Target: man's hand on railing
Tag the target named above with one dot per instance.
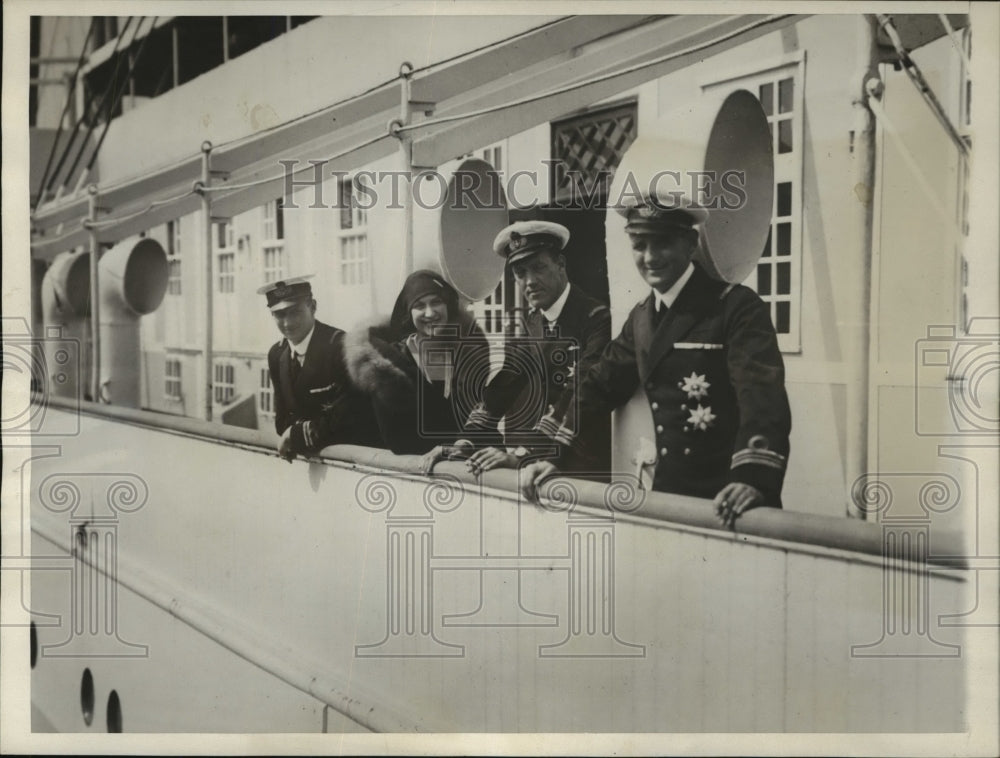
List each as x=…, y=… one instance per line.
x=461, y=449
x=285, y=446
x=531, y=477
x=736, y=498
x=490, y=458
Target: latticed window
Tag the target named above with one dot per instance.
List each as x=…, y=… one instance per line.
x=586, y=150
x=225, y=382
x=174, y=257
x=265, y=395
x=777, y=279
x=172, y=379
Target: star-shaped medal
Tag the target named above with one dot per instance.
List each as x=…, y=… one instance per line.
x=701, y=417
x=695, y=386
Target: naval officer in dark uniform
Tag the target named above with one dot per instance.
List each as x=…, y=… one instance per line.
x=566, y=332
x=315, y=403
x=707, y=355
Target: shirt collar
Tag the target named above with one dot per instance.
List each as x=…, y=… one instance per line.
x=556, y=309
x=303, y=346
x=667, y=298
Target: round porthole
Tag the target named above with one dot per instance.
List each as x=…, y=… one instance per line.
x=114, y=713
x=87, y=697
x=33, y=634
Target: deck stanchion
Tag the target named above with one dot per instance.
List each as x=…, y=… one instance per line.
x=206, y=212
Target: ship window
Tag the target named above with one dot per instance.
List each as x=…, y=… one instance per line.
x=225, y=382
x=274, y=220
x=172, y=379
x=265, y=395
x=353, y=261
x=777, y=275
x=225, y=245
x=174, y=257
x=227, y=272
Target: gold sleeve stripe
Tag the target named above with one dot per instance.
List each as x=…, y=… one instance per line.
x=759, y=457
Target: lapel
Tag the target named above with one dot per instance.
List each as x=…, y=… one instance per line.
x=682, y=316
x=570, y=315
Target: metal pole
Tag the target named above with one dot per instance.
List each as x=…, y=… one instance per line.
x=175, y=54
x=866, y=81
x=95, y=307
x=206, y=212
x=406, y=153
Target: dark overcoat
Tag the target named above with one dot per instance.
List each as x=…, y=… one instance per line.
x=714, y=377
x=414, y=414
x=322, y=393
x=538, y=381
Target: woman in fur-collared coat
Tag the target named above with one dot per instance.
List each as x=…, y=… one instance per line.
x=424, y=370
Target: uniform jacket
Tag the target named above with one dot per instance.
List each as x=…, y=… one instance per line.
x=538, y=381
x=322, y=394
x=714, y=377
x=413, y=414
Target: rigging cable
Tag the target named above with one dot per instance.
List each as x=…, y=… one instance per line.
x=133, y=62
x=70, y=91
x=83, y=117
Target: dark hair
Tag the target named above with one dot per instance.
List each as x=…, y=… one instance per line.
x=417, y=285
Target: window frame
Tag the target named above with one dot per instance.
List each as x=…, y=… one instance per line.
x=174, y=273
x=173, y=380
x=224, y=241
x=224, y=382
x=353, y=255
x=788, y=168
x=272, y=246
x=265, y=392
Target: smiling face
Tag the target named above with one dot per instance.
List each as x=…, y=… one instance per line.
x=542, y=278
x=427, y=312
x=661, y=258
x=295, y=321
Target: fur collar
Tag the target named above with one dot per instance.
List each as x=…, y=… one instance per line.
x=374, y=362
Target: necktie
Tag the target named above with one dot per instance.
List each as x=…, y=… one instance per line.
x=548, y=327
x=659, y=313
x=294, y=366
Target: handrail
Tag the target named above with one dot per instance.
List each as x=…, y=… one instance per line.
x=656, y=509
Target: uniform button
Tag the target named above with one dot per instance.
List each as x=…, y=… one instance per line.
x=684, y=406
x=654, y=406
x=687, y=428
x=687, y=451
x=659, y=428
x=663, y=451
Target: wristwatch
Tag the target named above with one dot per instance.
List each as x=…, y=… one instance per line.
x=520, y=452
